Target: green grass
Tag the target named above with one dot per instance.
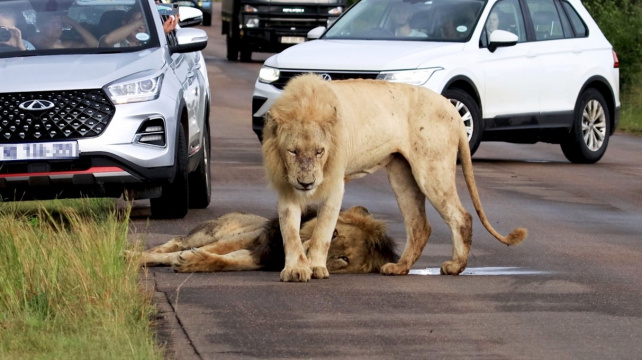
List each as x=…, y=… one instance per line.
x=631, y=112
x=65, y=290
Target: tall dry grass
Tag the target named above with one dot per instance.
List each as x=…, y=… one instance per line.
x=65, y=290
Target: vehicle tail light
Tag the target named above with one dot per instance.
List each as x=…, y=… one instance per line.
x=616, y=61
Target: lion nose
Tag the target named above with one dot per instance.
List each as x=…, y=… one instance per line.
x=305, y=185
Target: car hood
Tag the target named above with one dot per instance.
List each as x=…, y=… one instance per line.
x=363, y=55
x=84, y=71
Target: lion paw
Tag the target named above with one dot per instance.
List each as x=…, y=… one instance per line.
x=320, y=272
x=452, y=268
x=394, y=269
x=187, y=261
x=296, y=274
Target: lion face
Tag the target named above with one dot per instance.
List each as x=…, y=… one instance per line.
x=359, y=243
x=304, y=153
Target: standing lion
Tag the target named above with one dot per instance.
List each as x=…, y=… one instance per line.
x=319, y=134
x=239, y=241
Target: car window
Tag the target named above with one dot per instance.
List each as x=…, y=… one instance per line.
x=579, y=28
x=75, y=26
x=505, y=15
x=436, y=20
x=546, y=19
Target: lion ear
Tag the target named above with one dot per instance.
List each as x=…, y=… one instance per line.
x=361, y=210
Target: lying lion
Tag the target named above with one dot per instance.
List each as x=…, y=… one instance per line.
x=319, y=134
x=239, y=241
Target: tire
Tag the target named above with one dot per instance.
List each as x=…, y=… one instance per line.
x=174, y=200
x=200, y=185
x=246, y=55
x=470, y=115
x=207, y=19
x=232, y=47
x=589, y=136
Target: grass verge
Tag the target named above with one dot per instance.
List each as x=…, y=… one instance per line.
x=631, y=112
x=65, y=290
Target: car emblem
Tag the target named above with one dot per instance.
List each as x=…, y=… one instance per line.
x=326, y=77
x=36, y=105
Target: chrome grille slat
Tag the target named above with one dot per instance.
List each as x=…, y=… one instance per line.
x=75, y=114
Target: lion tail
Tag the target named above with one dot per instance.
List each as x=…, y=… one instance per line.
x=517, y=235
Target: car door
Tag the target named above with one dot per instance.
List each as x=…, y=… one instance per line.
x=511, y=75
x=561, y=58
x=186, y=69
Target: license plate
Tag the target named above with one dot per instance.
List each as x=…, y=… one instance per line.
x=39, y=151
x=292, y=39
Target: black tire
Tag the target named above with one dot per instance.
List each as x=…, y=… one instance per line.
x=470, y=115
x=174, y=200
x=246, y=55
x=591, y=129
x=200, y=184
x=207, y=19
x=232, y=47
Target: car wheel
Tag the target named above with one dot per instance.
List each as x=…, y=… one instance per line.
x=232, y=47
x=470, y=115
x=246, y=55
x=200, y=185
x=589, y=136
x=207, y=19
x=174, y=200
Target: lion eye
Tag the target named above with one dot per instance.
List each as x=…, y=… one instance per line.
x=344, y=258
x=292, y=152
x=320, y=152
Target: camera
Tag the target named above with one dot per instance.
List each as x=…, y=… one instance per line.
x=5, y=34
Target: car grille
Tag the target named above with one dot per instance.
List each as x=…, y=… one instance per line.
x=285, y=76
x=53, y=115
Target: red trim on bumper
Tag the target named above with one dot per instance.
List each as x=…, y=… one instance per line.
x=92, y=170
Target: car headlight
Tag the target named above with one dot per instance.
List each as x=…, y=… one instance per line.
x=135, y=91
x=412, y=77
x=268, y=74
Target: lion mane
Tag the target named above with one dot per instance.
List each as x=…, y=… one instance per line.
x=320, y=134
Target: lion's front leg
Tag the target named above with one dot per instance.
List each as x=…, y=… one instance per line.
x=322, y=235
x=297, y=267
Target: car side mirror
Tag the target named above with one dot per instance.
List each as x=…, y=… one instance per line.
x=189, y=40
x=316, y=33
x=499, y=38
x=189, y=16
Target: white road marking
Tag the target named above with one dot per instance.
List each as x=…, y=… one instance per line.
x=483, y=271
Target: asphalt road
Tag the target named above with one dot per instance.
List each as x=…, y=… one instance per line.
x=571, y=291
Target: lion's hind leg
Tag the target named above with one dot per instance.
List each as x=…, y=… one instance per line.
x=197, y=260
x=442, y=194
x=412, y=203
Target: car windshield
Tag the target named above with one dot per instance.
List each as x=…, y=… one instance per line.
x=46, y=27
x=436, y=20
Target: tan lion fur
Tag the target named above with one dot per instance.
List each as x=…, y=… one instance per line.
x=239, y=241
x=319, y=134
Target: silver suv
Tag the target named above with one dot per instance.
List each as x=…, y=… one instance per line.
x=96, y=100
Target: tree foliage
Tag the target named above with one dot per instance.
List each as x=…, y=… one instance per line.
x=621, y=23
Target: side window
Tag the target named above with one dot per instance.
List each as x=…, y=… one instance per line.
x=546, y=19
x=579, y=28
x=505, y=15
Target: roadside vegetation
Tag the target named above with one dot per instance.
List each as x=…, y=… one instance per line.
x=621, y=21
x=65, y=290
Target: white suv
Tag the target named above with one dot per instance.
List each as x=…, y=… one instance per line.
x=519, y=71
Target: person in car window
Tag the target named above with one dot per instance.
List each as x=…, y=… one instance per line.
x=131, y=33
x=49, y=33
x=492, y=23
x=400, y=20
x=8, y=26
